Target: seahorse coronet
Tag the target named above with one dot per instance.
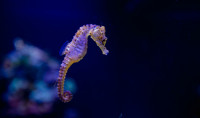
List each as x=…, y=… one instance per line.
x=76, y=50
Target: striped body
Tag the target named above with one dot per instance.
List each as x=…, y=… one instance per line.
x=76, y=50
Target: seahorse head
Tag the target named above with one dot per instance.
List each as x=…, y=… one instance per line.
x=98, y=35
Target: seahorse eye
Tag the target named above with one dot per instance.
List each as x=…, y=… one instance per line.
x=96, y=33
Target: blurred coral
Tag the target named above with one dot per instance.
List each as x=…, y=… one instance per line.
x=30, y=73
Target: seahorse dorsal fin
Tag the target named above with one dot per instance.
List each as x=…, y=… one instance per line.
x=62, y=49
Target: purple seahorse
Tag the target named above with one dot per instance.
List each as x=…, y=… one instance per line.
x=76, y=50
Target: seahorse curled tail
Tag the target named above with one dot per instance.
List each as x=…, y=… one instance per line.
x=65, y=96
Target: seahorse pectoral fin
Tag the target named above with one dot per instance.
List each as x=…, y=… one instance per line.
x=62, y=49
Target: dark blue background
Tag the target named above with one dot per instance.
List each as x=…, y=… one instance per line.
x=152, y=70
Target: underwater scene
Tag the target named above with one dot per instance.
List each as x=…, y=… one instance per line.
x=100, y=59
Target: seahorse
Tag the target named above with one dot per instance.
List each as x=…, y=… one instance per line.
x=76, y=50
